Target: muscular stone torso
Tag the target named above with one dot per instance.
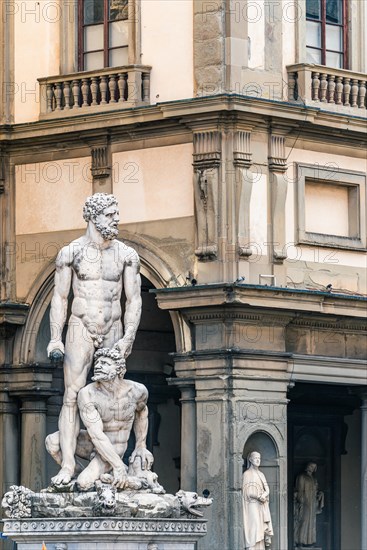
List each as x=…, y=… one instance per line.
x=97, y=286
x=117, y=413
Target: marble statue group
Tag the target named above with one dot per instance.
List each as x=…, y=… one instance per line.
x=97, y=266
x=97, y=419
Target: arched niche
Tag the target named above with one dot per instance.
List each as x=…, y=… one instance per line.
x=264, y=444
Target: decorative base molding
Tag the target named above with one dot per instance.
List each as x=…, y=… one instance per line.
x=114, y=533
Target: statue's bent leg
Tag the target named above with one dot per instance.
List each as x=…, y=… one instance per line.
x=79, y=350
x=84, y=446
x=52, y=443
x=92, y=472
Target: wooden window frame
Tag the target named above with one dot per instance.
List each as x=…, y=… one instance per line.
x=344, y=25
x=106, y=35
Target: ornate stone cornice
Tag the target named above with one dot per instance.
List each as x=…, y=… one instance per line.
x=118, y=528
x=13, y=313
x=340, y=325
x=284, y=301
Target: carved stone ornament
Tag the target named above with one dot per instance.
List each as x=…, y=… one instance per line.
x=17, y=502
x=105, y=500
x=100, y=165
x=242, y=159
x=207, y=157
x=277, y=159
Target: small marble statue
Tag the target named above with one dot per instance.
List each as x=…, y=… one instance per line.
x=110, y=407
x=97, y=266
x=258, y=528
x=309, y=502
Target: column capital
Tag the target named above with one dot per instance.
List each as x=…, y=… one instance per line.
x=7, y=405
x=186, y=387
x=33, y=401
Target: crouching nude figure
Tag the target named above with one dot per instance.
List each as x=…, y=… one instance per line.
x=110, y=407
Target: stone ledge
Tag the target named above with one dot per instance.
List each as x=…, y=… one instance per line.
x=116, y=530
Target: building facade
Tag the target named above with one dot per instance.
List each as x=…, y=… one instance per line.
x=233, y=134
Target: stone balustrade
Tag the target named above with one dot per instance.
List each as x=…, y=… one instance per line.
x=94, y=91
x=337, y=88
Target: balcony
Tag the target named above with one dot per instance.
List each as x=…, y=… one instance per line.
x=335, y=90
x=94, y=91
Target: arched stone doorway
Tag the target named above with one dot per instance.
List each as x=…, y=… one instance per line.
x=151, y=364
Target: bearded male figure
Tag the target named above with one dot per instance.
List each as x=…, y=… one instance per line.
x=98, y=267
x=109, y=407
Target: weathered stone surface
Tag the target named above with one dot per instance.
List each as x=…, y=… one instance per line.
x=207, y=26
x=209, y=80
x=20, y=502
x=209, y=52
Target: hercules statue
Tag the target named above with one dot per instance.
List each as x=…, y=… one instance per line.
x=97, y=267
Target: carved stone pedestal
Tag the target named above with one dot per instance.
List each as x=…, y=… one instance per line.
x=104, y=532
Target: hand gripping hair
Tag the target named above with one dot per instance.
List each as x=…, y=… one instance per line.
x=113, y=354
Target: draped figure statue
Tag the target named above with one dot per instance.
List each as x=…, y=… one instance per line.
x=257, y=524
x=309, y=502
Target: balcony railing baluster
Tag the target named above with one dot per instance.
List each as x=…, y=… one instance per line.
x=95, y=90
x=338, y=88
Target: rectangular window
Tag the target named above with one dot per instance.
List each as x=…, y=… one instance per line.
x=326, y=32
x=331, y=207
x=103, y=34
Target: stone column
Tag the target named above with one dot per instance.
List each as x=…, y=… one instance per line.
x=9, y=443
x=364, y=472
x=188, y=438
x=33, y=434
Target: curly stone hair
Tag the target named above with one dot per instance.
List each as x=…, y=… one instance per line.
x=95, y=204
x=115, y=355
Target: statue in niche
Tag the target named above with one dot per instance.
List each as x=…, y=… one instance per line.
x=258, y=528
x=97, y=266
x=308, y=502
